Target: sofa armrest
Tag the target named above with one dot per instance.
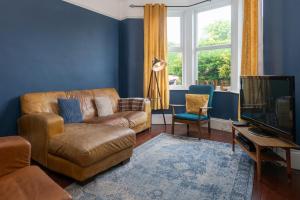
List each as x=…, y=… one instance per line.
x=148, y=110
x=14, y=154
x=37, y=129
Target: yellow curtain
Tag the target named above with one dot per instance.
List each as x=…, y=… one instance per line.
x=250, y=38
x=155, y=46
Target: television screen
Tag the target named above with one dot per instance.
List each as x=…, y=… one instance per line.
x=268, y=101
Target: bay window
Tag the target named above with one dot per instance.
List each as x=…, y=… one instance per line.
x=203, y=45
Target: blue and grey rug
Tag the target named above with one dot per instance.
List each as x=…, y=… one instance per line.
x=175, y=168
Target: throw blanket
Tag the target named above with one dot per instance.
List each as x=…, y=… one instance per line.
x=131, y=104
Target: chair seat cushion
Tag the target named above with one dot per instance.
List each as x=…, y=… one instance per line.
x=86, y=144
x=30, y=183
x=190, y=117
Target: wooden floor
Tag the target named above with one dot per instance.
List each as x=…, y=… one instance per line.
x=273, y=186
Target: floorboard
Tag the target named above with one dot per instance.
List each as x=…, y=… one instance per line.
x=273, y=186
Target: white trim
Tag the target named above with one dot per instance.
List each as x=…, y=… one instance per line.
x=178, y=87
x=218, y=124
x=295, y=157
x=181, y=49
x=101, y=11
x=236, y=35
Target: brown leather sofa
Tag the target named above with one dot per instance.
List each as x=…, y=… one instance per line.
x=19, y=180
x=84, y=149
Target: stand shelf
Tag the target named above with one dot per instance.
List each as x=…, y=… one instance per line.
x=263, y=148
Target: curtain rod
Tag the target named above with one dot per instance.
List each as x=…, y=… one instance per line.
x=138, y=6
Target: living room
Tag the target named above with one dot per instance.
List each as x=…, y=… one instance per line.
x=149, y=99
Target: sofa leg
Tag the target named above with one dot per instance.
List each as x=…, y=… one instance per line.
x=124, y=162
x=87, y=181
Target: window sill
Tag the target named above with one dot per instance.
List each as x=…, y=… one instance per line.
x=178, y=87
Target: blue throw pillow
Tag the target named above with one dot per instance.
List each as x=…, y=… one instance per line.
x=69, y=109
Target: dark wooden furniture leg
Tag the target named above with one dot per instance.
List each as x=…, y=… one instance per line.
x=258, y=162
x=288, y=162
x=233, y=137
x=209, y=129
x=199, y=127
x=188, y=129
x=173, y=123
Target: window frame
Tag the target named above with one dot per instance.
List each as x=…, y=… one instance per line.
x=189, y=41
x=212, y=6
x=180, y=14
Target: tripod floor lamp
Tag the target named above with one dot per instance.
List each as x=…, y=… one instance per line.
x=157, y=66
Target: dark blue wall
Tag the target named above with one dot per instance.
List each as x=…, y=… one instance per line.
x=52, y=45
x=273, y=36
x=282, y=31
x=131, y=57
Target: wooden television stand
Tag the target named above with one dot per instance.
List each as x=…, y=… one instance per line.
x=263, y=146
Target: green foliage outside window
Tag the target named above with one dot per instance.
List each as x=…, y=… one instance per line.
x=175, y=66
x=213, y=65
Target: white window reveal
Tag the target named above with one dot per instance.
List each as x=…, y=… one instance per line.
x=204, y=44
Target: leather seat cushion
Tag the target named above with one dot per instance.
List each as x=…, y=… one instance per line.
x=117, y=119
x=86, y=144
x=136, y=118
x=127, y=119
x=30, y=183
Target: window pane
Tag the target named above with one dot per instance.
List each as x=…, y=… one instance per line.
x=175, y=68
x=174, y=33
x=214, y=67
x=214, y=27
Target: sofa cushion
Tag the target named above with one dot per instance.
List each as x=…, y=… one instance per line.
x=86, y=144
x=136, y=118
x=69, y=109
x=87, y=103
x=116, y=119
x=129, y=119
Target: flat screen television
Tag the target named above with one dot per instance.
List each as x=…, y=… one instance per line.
x=268, y=103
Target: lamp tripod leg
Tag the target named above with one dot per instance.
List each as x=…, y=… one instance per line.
x=161, y=104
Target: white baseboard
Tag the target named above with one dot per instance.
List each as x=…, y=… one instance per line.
x=295, y=157
x=225, y=125
x=218, y=124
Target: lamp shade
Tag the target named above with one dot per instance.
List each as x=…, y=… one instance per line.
x=158, y=65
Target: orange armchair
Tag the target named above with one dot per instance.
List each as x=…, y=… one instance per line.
x=19, y=180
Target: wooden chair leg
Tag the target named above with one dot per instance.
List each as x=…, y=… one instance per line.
x=199, y=127
x=188, y=129
x=173, y=123
x=209, y=128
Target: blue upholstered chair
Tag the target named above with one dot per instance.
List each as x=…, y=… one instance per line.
x=198, y=119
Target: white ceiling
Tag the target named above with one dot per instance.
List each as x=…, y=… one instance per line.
x=119, y=9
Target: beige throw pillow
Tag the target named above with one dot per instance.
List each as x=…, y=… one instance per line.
x=104, y=106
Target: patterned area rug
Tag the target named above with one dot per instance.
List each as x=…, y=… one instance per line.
x=175, y=168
